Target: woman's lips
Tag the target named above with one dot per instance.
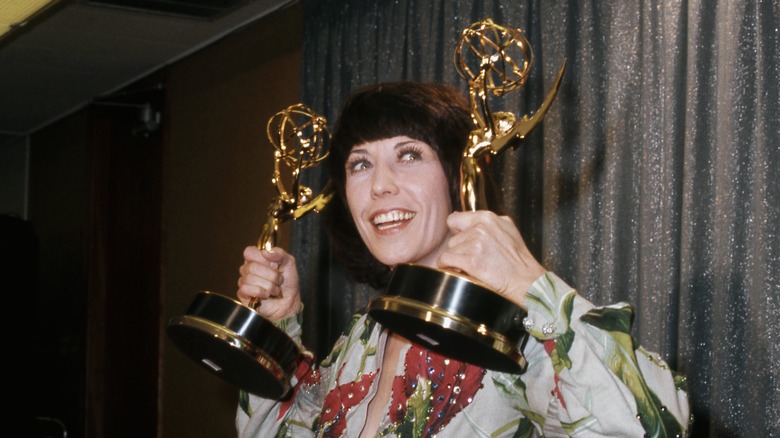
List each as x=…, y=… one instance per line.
x=392, y=219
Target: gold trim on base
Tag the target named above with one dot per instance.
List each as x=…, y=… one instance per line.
x=464, y=326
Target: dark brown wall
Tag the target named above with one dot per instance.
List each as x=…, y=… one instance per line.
x=218, y=185
x=58, y=211
x=129, y=229
x=123, y=257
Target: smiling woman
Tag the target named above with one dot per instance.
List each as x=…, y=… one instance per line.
x=433, y=117
x=394, y=156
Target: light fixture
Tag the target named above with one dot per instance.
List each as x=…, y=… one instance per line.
x=16, y=14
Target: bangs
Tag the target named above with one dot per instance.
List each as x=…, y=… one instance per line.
x=434, y=114
x=384, y=116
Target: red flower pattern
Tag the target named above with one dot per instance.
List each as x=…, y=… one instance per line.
x=549, y=347
x=453, y=386
x=340, y=400
x=305, y=374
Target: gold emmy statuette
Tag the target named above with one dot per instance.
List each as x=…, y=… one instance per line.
x=448, y=312
x=221, y=334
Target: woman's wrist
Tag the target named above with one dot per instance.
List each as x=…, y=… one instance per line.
x=523, y=285
x=549, y=306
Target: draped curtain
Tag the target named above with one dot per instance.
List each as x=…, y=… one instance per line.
x=654, y=179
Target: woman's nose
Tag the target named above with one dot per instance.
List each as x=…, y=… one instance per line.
x=383, y=181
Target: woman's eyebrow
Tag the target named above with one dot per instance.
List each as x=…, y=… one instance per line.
x=401, y=144
x=359, y=151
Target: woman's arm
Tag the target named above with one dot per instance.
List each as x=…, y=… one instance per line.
x=587, y=374
x=272, y=277
x=259, y=417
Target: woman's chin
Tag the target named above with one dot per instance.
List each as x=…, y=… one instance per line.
x=391, y=255
x=409, y=261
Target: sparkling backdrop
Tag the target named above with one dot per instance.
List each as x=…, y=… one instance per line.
x=654, y=178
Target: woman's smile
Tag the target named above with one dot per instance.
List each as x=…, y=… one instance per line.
x=392, y=220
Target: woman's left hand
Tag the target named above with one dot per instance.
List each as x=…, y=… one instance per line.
x=489, y=248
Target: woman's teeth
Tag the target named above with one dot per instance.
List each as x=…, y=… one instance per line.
x=387, y=220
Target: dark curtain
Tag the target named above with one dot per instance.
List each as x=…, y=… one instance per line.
x=654, y=178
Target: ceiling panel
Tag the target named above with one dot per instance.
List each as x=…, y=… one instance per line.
x=82, y=52
x=204, y=9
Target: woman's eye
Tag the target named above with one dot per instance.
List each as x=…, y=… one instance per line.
x=410, y=155
x=357, y=165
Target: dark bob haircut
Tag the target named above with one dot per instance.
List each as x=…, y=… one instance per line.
x=433, y=113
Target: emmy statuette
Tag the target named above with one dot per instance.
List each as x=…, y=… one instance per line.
x=446, y=311
x=221, y=334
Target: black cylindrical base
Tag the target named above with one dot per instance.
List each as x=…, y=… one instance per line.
x=237, y=344
x=454, y=316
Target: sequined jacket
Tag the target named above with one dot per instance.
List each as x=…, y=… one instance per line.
x=585, y=377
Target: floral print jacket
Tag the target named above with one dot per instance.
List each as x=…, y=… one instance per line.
x=585, y=377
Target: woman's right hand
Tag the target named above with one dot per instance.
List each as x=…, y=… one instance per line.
x=489, y=247
x=272, y=277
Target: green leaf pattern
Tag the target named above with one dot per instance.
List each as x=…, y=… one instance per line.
x=513, y=389
x=566, y=329
x=621, y=358
x=419, y=404
x=550, y=306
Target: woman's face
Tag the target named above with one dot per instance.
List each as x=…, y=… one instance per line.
x=399, y=199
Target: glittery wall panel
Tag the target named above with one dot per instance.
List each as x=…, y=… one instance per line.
x=654, y=179
x=730, y=219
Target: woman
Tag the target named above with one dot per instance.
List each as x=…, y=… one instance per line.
x=395, y=156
